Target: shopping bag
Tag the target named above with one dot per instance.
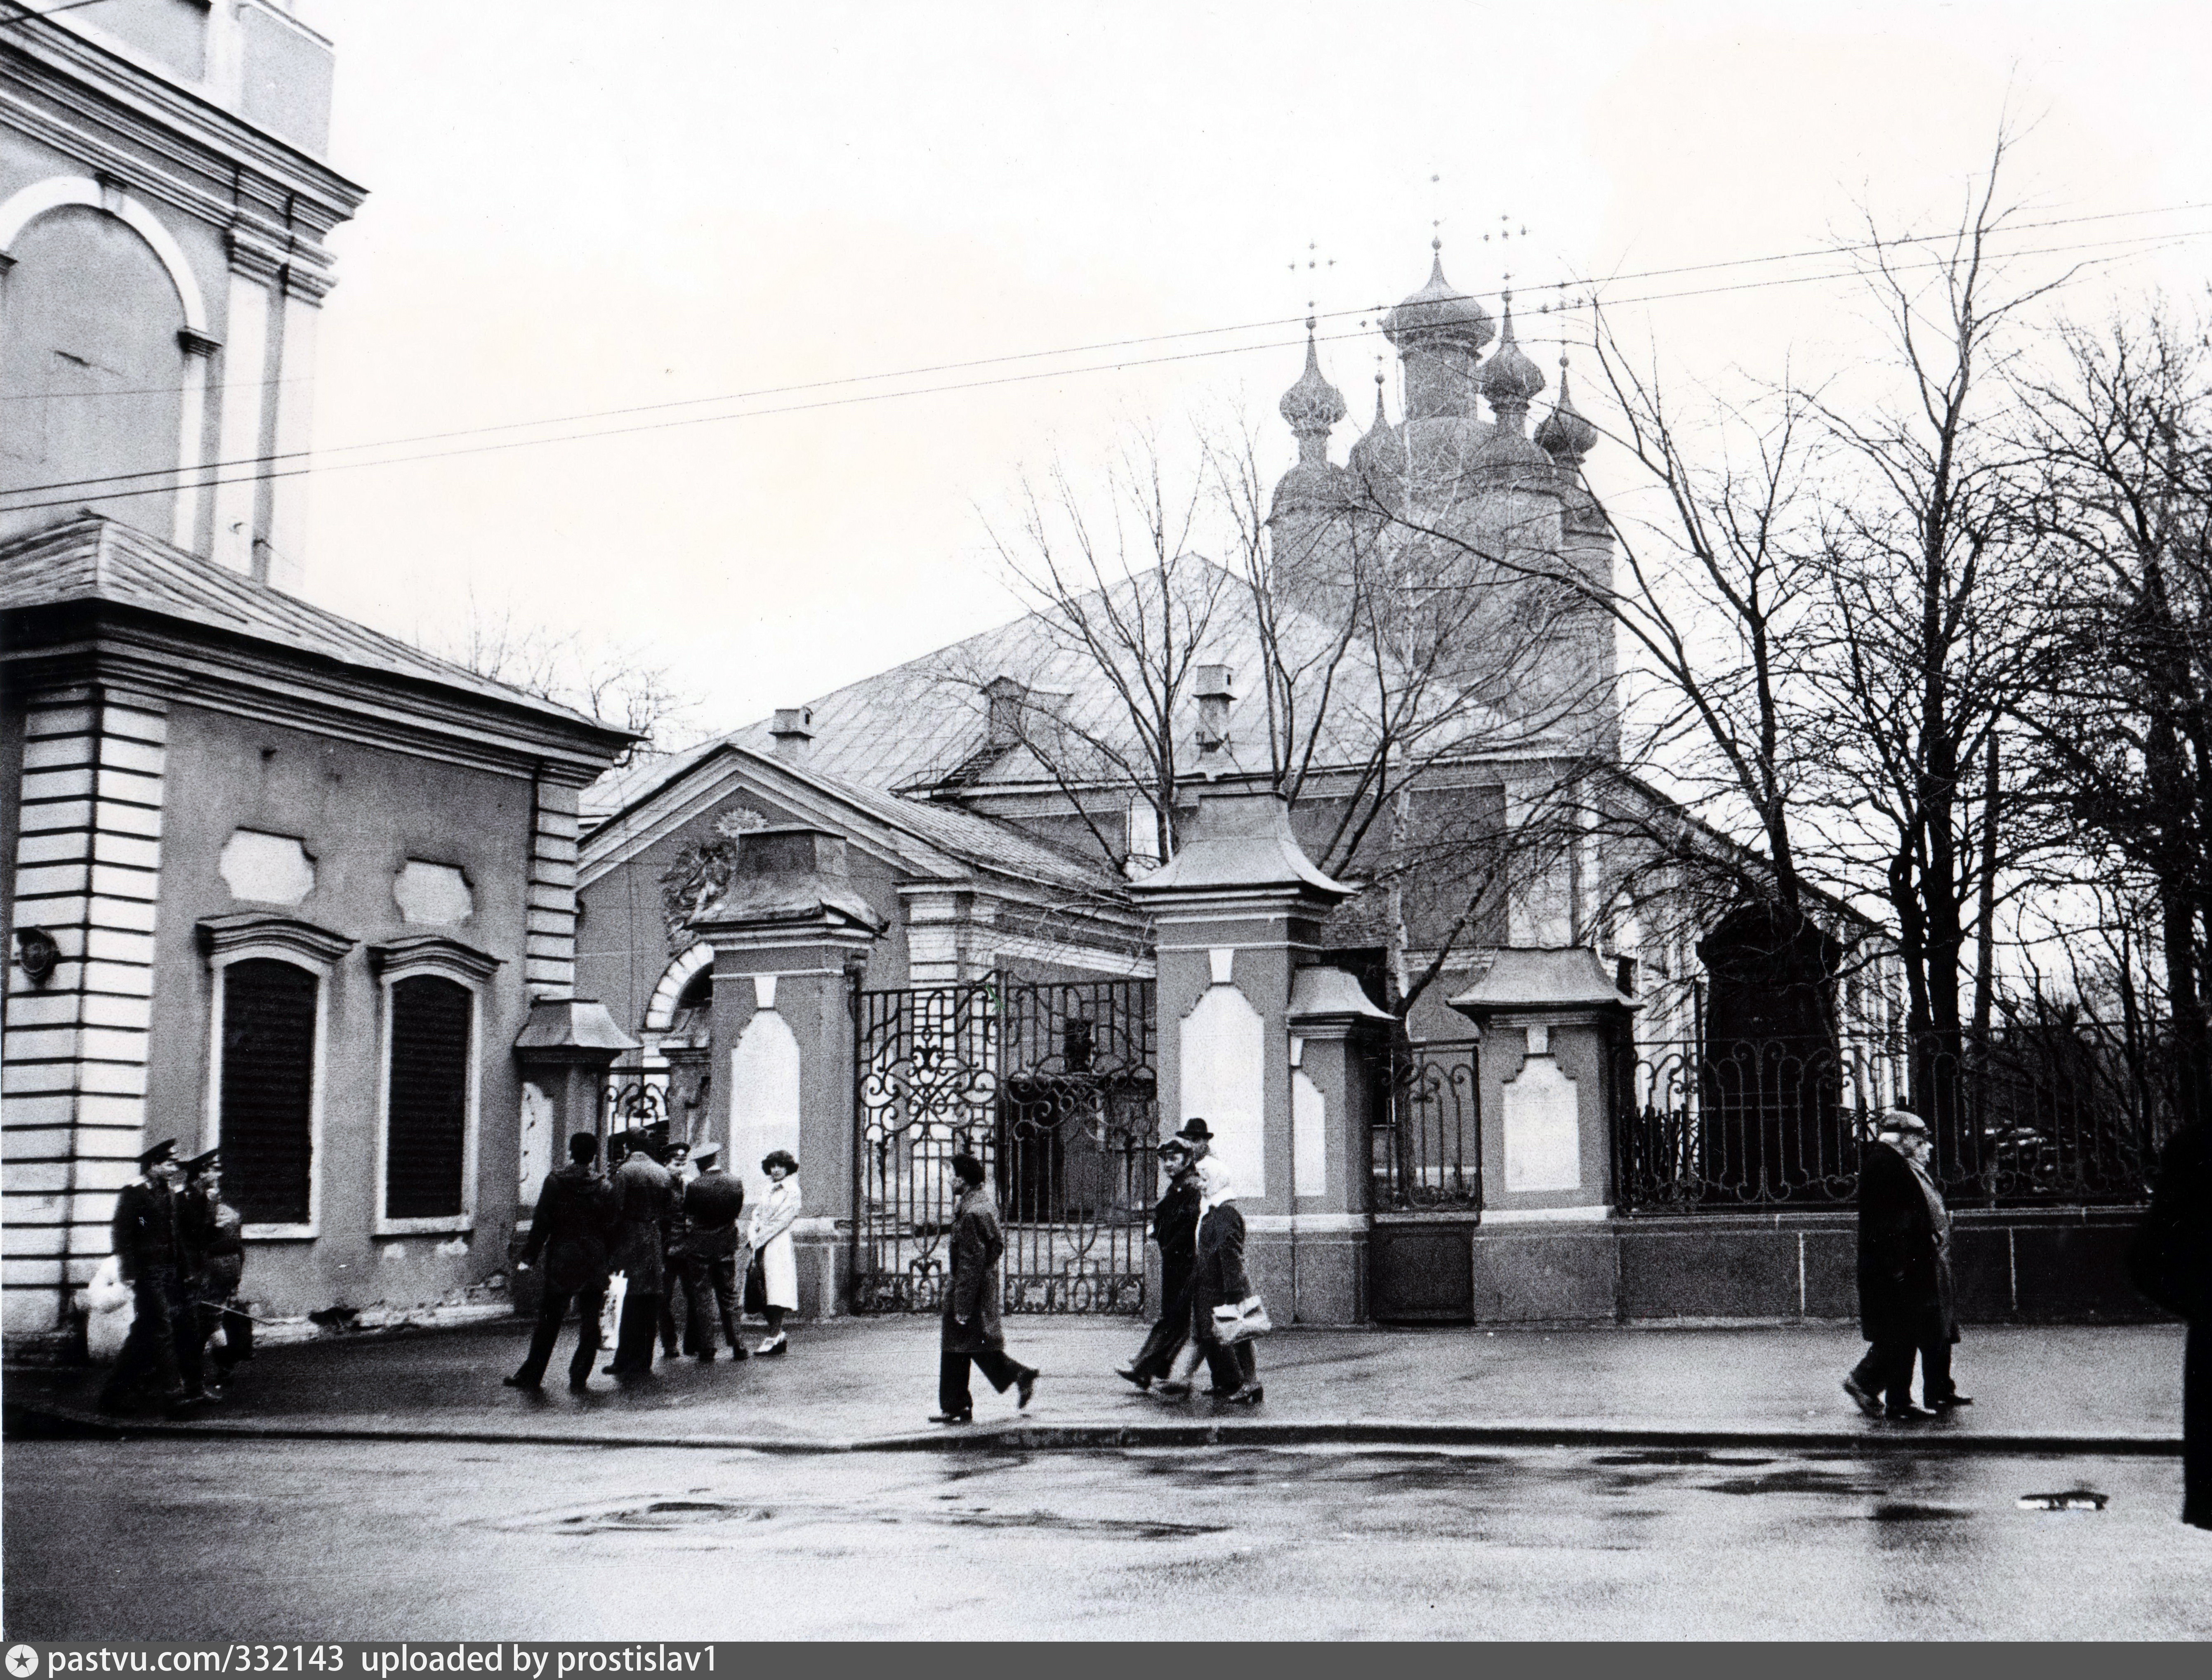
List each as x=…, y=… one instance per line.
x=1241, y=1323
x=610, y=1314
x=110, y=1307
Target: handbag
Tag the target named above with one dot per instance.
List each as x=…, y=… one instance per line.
x=1241, y=1323
x=756, y=1286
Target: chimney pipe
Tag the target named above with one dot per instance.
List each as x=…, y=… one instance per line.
x=1214, y=698
x=794, y=740
x=1009, y=698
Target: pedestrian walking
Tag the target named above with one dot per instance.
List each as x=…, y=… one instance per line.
x=643, y=1191
x=712, y=1203
x=1220, y=1281
x=215, y=1236
x=149, y=1251
x=1175, y=1229
x=972, y=1334
x=768, y=1235
x=2171, y=1263
x=1907, y=1301
x=571, y=1228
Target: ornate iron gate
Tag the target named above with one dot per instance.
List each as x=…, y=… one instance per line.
x=1053, y=1089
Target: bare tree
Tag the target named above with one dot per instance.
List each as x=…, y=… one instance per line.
x=618, y=683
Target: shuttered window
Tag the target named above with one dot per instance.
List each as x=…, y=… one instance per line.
x=268, y=1090
x=426, y=1133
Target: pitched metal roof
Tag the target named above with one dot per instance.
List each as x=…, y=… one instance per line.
x=94, y=558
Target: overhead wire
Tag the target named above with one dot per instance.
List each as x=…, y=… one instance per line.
x=196, y=478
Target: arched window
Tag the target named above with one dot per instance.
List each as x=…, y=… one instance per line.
x=270, y=1012
x=97, y=377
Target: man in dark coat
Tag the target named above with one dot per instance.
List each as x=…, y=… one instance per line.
x=1175, y=1229
x=571, y=1228
x=675, y=1244
x=215, y=1237
x=712, y=1203
x=2171, y=1263
x=645, y=1195
x=151, y=1253
x=1220, y=1281
x=972, y=1332
x=1907, y=1304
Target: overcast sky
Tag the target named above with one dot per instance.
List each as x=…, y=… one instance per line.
x=583, y=208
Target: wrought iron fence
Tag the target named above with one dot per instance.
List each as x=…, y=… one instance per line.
x=1052, y=1088
x=2024, y=1117
x=1427, y=1140
x=628, y=1102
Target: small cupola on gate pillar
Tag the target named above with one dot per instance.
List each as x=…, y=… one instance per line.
x=791, y=937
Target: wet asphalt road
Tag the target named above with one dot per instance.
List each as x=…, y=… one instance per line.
x=226, y=1540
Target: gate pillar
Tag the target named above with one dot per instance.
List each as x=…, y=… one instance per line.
x=790, y=939
x=564, y=1051
x=1237, y=913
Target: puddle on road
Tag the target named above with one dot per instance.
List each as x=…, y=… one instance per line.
x=691, y=1515
x=2076, y=1499
x=1673, y=1455
x=1798, y=1479
x=1916, y=1513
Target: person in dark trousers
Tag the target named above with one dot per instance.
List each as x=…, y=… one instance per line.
x=570, y=1228
x=1907, y=1302
x=972, y=1332
x=214, y=1235
x=712, y=1203
x=1175, y=1229
x=2171, y=1264
x=150, y=1252
x=675, y=1244
x=1220, y=1281
x=644, y=1192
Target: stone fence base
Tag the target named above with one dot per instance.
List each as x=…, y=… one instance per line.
x=2016, y=1266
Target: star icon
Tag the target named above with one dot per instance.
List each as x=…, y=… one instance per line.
x=22, y=1661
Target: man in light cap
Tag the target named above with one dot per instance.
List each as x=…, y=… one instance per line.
x=712, y=1203
x=1907, y=1304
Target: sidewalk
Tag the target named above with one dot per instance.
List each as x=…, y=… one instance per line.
x=869, y=1385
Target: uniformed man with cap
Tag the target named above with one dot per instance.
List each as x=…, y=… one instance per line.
x=150, y=1252
x=214, y=1248
x=712, y=1203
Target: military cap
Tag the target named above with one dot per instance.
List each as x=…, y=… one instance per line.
x=164, y=1150
x=201, y=1162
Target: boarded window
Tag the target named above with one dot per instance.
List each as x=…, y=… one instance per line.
x=268, y=1090
x=426, y=1139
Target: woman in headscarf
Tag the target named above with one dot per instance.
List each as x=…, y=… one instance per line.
x=1220, y=1281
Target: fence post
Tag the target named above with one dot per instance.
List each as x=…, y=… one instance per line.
x=790, y=933
x=1235, y=913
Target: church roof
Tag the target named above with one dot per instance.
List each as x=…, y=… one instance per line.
x=924, y=725
x=93, y=559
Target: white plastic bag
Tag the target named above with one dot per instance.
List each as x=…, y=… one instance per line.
x=611, y=1314
x=110, y=1307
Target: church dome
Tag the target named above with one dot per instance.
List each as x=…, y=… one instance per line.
x=1566, y=435
x=1509, y=378
x=1308, y=488
x=1379, y=458
x=1313, y=404
x=1439, y=313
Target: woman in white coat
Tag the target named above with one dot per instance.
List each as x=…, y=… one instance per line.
x=769, y=1236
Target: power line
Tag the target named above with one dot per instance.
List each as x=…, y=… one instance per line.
x=26, y=15
x=1091, y=348
x=186, y=478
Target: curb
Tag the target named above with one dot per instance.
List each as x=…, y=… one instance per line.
x=32, y=1421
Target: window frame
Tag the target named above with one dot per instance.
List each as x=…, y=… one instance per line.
x=414, y=958
x=299, y=944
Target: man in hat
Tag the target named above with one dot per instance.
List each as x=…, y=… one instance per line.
x=570, y=1228
x=149, y=1253
x=675, y=1244
x=1907, y=1303
x=644, y=1196
x=712, y=1203
x=1175, y=1229
x=215, y=1244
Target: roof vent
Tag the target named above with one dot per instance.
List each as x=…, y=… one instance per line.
x=794, y=739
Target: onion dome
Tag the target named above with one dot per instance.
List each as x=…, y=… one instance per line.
x=1566, y=436
x=1439, y=313
x=1380, y=454
x=1312, y=406
x=1509, y=378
